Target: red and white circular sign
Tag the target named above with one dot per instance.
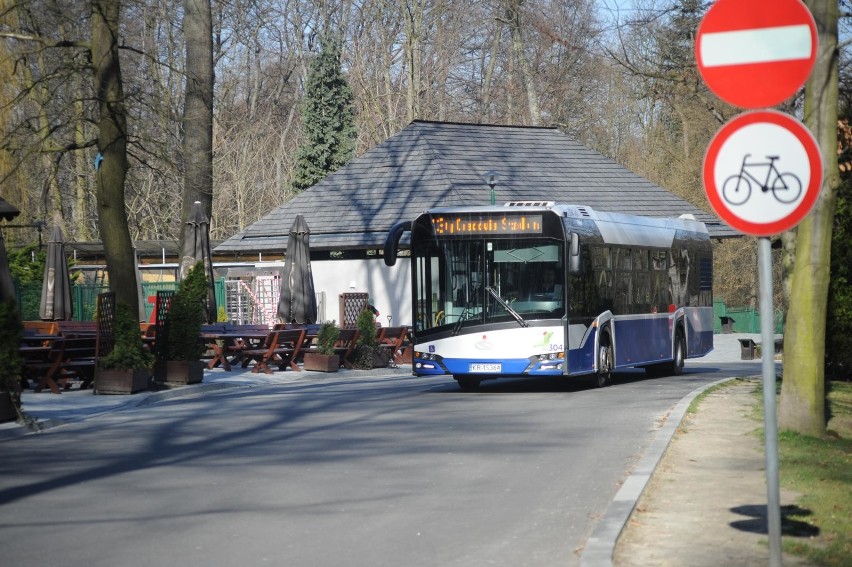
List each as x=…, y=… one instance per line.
x=756, y=53
x=763, y=172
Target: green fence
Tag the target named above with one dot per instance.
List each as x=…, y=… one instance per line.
x=742, y=319
x=85, y=298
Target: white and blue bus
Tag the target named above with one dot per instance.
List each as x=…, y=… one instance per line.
x=627, y=291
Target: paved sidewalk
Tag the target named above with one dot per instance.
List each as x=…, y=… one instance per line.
x=50, y=410
x=705, y=505
x=671, y=513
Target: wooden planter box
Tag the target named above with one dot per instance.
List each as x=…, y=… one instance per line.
x=7, y=410
x=113, y=381
x=321, y=362
x=183, y=372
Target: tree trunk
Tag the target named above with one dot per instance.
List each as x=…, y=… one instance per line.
x=802, y=405
x=485, y=111
x=112, y=154
x=413, y=17
x=198, y=112
x=513, y=17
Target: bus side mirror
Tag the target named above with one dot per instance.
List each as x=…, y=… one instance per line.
x=574, y=265
x=392, y=241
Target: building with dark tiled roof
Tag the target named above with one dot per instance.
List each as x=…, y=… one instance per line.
x=429, y=164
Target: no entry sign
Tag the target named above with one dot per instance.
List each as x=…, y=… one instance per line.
x=763, y=172
x=756, y=53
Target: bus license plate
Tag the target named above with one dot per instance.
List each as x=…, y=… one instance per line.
x=485, y=367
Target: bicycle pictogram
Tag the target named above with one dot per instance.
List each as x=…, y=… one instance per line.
x=785, y=187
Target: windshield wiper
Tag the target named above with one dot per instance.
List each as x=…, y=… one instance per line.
x=458, y=324
x=506, y=306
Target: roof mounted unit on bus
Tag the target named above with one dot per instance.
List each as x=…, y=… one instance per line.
x=529, y=204
x=687, y=216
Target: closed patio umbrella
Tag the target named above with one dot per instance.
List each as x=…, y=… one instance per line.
x=56, y=288
x=196, y=247
x=298, y=302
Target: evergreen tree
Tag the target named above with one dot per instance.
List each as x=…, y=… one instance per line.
x=328, y=118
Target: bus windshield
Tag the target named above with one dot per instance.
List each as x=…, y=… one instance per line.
x=468, y=281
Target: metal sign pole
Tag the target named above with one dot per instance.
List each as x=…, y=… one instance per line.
x=770, y=425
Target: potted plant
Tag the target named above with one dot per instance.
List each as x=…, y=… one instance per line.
x=324, y=359
x=368, y=354
x=183, y=346
x=11, y=363
x=127, y=369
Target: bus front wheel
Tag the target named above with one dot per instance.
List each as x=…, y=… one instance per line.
x=603, y=377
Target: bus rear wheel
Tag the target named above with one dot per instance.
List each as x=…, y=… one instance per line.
x=603, y=377
x=679, y=354
x=468, y=384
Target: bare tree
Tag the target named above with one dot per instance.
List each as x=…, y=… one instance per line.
x=514, y=21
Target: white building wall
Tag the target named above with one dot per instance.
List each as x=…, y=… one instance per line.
x=389, y=286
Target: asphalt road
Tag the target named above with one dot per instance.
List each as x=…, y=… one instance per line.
x=368, y=472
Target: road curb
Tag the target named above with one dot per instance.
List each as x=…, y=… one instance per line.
x=600, y=546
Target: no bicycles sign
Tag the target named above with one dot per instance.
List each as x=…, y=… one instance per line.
x=756, y=53
x=763, y=172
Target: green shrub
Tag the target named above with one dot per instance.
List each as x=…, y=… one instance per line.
x=11, y=363
x=366, y=324
x=128, y=353
x=326, y=337
x=366, y=344
x=186, y=316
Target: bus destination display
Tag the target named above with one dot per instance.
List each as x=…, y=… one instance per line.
x=461, y=224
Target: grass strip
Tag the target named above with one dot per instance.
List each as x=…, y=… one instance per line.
x=819, y=527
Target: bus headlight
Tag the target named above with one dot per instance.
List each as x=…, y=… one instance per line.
x=547, y=361
x=551, y=356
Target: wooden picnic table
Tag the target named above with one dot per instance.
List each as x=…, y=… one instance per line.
x=63, y=359
x=231, y=344
x=281, y=347
x=239, y=344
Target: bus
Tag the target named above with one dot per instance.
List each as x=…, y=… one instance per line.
x=628, y=291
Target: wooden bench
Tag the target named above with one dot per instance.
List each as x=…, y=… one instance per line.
x=226, y=340
x=392, y=339
x=149, y=337
x=345, y=345
x=79, y=356
x=77, y=328
x=66, y=359
x=281, y=348
x=311, y=332
x=40, y=327
x=41, y=363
